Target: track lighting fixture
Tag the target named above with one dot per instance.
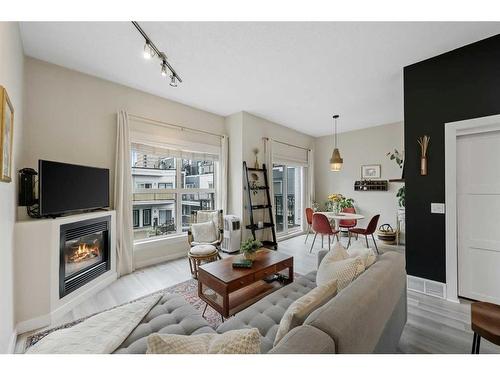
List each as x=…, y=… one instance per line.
x=150, y=51
x=173, y=81
x=164, y=69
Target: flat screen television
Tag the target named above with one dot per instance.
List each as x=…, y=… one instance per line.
x=64, y=188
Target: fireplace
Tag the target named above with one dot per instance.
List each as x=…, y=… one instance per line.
x=84, y=253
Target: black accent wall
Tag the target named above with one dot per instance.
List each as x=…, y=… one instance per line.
x=458, y=85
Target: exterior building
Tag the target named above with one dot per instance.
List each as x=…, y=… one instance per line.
x=157, y=186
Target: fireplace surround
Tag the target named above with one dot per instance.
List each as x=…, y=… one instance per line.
x=84, y=252
x=39, y=301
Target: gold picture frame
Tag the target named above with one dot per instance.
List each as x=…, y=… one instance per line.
x=6, y=135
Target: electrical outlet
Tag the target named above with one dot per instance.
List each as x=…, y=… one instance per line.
x=437, y=208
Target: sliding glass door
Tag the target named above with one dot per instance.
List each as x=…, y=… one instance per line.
x=288, y=189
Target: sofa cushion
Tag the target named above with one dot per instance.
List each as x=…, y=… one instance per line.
x=367, y=254
x=204, y=232
x=299, y=310
x=266, y=314
x=240, y=341
x=171, y=315
x=305, y=339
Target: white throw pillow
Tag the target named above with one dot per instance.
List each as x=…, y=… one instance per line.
x=204, y=232
x=299, y=310
x=345, y=271
x=367, y=255
x=337, y=253
x=240, y=341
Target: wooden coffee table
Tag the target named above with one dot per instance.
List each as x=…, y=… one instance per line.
x=229, y=290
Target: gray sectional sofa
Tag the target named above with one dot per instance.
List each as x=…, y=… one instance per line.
x=368, y=316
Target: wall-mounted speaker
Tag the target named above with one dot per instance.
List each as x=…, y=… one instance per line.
x=27, y=187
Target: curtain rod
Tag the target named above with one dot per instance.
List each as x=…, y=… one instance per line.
x=288, y=144
x=167, y=124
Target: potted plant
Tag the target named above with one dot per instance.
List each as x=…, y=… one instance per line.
x=250, y=247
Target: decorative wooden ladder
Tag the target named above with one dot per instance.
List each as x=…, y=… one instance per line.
x=251, y=207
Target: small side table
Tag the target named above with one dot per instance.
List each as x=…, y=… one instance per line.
x=485, y=322
x=201, y=254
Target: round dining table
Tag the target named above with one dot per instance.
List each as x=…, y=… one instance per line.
x=340, y=216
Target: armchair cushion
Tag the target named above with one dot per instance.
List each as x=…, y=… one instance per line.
x=204, y=232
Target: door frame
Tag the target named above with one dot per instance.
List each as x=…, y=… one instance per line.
x=452, y=130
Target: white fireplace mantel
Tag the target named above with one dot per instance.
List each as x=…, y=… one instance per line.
x=37, y=271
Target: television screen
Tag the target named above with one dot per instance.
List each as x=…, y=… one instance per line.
x=67, y=188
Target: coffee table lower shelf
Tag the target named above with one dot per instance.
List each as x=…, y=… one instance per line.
x=239, y=299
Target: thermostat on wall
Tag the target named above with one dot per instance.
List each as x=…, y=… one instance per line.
x=437, y=208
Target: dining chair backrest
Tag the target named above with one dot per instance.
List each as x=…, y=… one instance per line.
x=321, y=225
x=372, y=225
x=350, y=222
x=309, y=215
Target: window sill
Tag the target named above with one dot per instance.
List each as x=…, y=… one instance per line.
x=157, y=241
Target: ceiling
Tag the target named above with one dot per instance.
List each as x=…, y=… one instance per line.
x=295, y=73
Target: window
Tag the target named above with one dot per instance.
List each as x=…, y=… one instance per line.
x=146, y=217
x=165, y=185
x=135, y=215
x=190, y=183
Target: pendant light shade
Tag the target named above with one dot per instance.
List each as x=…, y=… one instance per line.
x=336, y=161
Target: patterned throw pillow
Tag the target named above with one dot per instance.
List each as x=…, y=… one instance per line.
x=367, y=255
x=299, y=310
x=204, y=232
x=241, y=341
x=345, y=271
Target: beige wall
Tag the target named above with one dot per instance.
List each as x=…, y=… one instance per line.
x=11, y=77
x=366, y=146
x=71, y=117
x=248, y=130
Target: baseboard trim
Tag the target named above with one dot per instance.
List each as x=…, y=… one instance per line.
x=427, y=287
x=161, y=259
x=12, y=342
x=33, y=324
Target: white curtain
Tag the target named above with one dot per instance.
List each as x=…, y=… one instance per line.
x=123, y=197
x=223, y=174
x=310, y=176
x=268, y=160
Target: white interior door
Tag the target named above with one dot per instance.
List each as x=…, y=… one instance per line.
x=478, y=216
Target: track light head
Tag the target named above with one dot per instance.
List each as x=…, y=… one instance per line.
x=173, y=81
x=149, y=52
x=164, y=69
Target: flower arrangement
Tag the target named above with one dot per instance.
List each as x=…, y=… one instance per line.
x=337, y=202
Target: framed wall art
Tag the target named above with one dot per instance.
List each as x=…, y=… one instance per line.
x=6, y=135
x=370, y=172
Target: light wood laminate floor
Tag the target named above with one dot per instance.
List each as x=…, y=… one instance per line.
x=434, y=325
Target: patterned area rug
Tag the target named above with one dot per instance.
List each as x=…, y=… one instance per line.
x=187, y=289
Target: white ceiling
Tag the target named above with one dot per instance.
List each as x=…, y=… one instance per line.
x=295, y=74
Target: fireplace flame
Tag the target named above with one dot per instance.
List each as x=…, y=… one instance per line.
x=83, y=252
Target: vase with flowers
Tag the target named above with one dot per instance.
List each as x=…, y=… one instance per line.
x=337, y=202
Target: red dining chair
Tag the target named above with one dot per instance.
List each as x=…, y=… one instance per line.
x=348, y=223
x=368, y=231
x=321, y=225
x=309, y=218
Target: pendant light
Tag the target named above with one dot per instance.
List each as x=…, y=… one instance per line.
x=336, y=161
